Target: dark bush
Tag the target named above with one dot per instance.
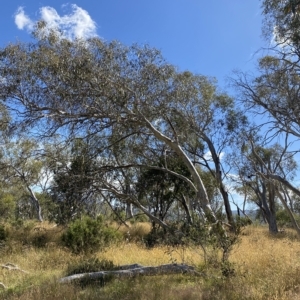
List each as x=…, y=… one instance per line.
x=3, y=233
x=178, y=235
x=40, y=240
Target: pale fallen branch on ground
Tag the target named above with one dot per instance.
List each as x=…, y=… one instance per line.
x=12, y=267
x=131, y=271
x=2, y=285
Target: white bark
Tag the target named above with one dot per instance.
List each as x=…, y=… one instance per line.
x=202, y=196
x=133, y=270
x=293, y=220
x=12, y=267
x=3, y=286
x=36, y=204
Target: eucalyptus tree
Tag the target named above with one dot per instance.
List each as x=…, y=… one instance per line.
x=254, y=163
x=272, y=93
x=163, y=192
x=274, y=90
x=117, y=94
x=20, y=166
x=71, y=186
x=212, y=140
x=281, y=24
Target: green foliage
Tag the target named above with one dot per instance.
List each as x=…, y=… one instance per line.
x=283, y=219
x=48, y=206
x=87, y=235
x=7, y=206
x=70, y=193
x=243, y=221
x=211, y=239
x=184, y=234
x=160, y=190
x=160, y=236
x=118, y=216
x=139, y=218
x=284, y=16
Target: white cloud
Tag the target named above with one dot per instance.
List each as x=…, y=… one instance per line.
x=22, y=20
x=76, y=24
x=208, y=157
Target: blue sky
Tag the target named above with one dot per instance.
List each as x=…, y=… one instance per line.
x=206, y=37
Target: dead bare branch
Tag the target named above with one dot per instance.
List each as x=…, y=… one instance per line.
x=12, y=267
x=133, y=270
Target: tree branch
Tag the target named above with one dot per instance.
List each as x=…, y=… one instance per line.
x=132, y=271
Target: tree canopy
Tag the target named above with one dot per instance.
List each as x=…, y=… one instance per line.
x=135, y=105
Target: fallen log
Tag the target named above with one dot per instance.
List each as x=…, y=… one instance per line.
x=3, y=286
x=12, y=267
x=131, y=271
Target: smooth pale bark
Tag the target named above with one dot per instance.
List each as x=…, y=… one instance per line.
x=293, y=220
x=2, y=285
x=129, y=213
x=34, y=199
x=12, y=267
x=201, y=193
x=36, y=204
x=131, y=271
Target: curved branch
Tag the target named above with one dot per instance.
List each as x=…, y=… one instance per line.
x=281, y=180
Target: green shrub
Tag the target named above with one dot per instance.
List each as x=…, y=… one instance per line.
x=180, y=234
x=242, y=221
x=7, y=206
x=87, y=235
x=284, y=220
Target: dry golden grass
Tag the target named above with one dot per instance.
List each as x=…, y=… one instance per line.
x=269, y=264
x=129, y=253
x=266, y=267
x=134, y=232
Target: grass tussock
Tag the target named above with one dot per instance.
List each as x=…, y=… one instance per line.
x=134, y=232
x=265, y=267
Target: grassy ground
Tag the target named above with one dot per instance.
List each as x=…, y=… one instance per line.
x=266, y=267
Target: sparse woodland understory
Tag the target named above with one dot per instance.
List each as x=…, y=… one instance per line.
x=265, y=267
